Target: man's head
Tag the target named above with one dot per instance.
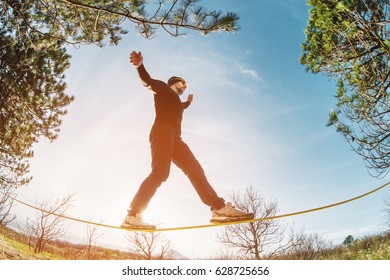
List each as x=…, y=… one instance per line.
x=178, y=84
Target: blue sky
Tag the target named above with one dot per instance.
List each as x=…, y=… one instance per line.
x=258, y=119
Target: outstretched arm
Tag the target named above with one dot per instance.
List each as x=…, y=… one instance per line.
x=137, y=60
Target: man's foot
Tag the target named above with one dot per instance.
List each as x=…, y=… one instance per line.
x=136, y=222
x=229, y=213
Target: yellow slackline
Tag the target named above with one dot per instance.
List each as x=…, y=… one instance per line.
x=207, y=225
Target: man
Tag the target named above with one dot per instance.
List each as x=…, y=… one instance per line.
x=167, y=146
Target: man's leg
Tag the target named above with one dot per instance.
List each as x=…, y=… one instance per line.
x=221, y=212
x=186, y=161
x=161, y=144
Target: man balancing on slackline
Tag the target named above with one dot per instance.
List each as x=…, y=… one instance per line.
x=167, y=146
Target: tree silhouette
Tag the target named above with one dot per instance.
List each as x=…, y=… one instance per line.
x=149, y=245
x=256, y=240
x=46, y=226
x=386, y=211
x=92, y=234
x=6, y=204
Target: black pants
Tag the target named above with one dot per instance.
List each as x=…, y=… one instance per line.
x=166, y=147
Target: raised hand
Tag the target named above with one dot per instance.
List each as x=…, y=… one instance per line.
x=136, y=58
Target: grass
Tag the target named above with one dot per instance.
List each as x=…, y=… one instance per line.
x=376, y=247
x=14, y=245
x=18, y=248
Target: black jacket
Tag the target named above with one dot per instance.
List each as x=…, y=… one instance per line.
x=167, y=103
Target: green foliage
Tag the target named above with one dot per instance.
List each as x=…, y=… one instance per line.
x=349, y=40
x=376, y=247
x=32, y=97
x=101, y=21
x=349, y=240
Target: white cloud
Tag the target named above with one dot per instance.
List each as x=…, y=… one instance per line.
x=248, y=72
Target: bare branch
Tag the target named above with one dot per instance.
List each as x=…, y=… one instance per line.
x=46, y=226
x=149, y=245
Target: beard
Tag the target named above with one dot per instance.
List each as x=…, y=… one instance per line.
x=180, y=90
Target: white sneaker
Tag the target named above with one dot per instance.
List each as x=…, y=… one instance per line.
x=229, y=213
x=136, y=222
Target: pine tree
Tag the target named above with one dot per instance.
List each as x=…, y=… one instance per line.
x=32, y=98
x=349, y=40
